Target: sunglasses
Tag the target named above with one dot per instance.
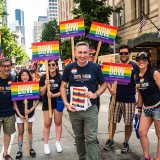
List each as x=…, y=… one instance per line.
x=92, y=54
x=123, y=53
x=52, y=64
x=6, y=66
x=138, y=59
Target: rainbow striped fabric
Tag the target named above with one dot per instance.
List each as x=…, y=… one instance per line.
x=24, y=90
x=102, y=32
x=71, y=28
x=78, y=97
x=67, y=61
x=45, y=50
x=117, y=72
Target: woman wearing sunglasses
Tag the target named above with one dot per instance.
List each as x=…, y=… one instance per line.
x=148, y=85
x=54, y=81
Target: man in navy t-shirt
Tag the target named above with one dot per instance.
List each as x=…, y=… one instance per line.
x=84, y=123
x=7, y=113
x=125, y=102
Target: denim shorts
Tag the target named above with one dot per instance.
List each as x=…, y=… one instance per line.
x=156, y=115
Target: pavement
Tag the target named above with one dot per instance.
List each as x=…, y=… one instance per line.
x=67, y=140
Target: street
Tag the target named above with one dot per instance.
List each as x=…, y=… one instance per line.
x=67, y=140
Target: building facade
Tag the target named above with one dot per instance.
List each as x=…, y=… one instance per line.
x=128, y=22
x=65, y=9
x=53, y=10
x=38, y=28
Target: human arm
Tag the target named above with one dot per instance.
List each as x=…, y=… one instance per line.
x=43, y=86
x=64, y=97
x=112, y=92
x=35, y=104
x=156, y=76
x=17, y=111
x=139, y=104
x=96, y=94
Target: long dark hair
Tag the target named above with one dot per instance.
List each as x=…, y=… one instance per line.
x=20, y=74
x=56, y=62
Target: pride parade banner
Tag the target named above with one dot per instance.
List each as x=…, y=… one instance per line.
x=117, y=72
x=72, y=28
x=45, y=50
x=103, y=32
x=24, y=90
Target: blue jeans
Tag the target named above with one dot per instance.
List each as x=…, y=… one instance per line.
x=85, y=126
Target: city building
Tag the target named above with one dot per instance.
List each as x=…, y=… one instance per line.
x=52, y=12
x=65, y=9
x=19, y=28
x=38, y=28
x=129, y=31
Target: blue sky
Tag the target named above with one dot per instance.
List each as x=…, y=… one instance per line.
x=32, y=9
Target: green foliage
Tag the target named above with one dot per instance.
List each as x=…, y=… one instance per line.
x=50, y=31
x=9, y=47
x=94, y=10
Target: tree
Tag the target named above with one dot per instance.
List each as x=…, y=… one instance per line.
x=9, y=47
x=50, y=31
x=94, y=10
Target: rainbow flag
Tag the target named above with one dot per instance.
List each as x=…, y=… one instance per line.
x=24, y=90
x=71, y=28
x=103, y=32
x=45, y=50
x=41, y=62
x=67, y=61
x=78, y=98
x=117, y=72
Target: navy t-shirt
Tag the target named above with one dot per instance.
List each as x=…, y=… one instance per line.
x=6, y=105
x=126, y=93
x=21, y=107
x=89, y=76
x=148, y=88
x=55, y=87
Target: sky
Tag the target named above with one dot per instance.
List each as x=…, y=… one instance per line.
x=32, y=9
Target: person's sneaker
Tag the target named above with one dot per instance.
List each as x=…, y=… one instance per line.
x=32, y=153
x=7, y=157
x=109, y=144
x=19, y=155
x=97, y=141
x=46, y=149
x=125, y=148
x=58, y=147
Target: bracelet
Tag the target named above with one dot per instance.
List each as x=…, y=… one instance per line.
x=97, y=94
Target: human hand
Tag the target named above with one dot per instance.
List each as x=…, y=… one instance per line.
x=91, y=95
x=22, y=117
x=112, y=92
x=47, y=82
x=71, y=108
x=50, y=94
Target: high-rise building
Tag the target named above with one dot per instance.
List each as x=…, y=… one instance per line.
x=19, y=15
x=38, y=28
x=20, y=28
x=65, y=9
x=52, y=12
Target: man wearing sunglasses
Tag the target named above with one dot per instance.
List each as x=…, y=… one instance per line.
x=7, y=113
x=125, y=102
x=92, y=53
x=84, y=123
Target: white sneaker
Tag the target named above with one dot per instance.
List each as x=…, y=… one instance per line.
x=58, y=147
x=46, y=149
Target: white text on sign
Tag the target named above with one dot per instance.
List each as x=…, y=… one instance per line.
x=24, y=89
x=44, y=49
x=117, y=71
x=103, y=31
x=71, y=27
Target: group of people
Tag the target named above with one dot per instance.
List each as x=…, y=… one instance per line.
x=82, y=73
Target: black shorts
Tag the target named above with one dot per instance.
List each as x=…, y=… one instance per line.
x=45, y=107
